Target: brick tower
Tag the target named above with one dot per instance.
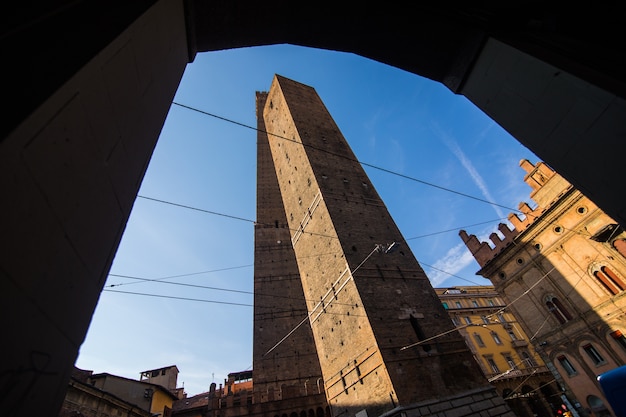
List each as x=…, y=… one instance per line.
x=293, y=369
x=337, y=293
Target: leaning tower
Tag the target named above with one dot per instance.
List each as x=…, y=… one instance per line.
x=341, y=304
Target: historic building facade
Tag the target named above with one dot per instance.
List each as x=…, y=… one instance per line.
x=107, y=395
x=501, y=348
x=562, y=271
x=82, y=399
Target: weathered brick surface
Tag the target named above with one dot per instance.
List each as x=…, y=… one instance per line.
x=366, y=306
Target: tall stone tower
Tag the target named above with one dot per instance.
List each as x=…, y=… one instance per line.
x=337, y=293
x=293, y=369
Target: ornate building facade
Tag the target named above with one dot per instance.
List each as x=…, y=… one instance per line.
x=562, y=271
x=501, y=348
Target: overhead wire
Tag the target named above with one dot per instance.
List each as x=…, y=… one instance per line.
x=222, y=214
x=182, y=284
x=488, y=316
x=139, y=280
x=388, y=171
x=323, y=298
x=373, y=167
x=179, y=298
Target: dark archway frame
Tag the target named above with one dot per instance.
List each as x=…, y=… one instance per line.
x=50, y=282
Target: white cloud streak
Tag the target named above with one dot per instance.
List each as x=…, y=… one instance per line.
x=453, y=146
x=455, y=260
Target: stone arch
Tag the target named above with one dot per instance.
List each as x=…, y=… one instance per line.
x=551, y=395
x=615, y=336
x=534, y=401
x=597, y=406
x=557, y=308
x=455, y=54
x=514, y=402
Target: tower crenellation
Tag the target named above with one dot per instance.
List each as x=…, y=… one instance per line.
x=546, y=186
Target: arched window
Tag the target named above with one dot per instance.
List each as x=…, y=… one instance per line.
x=619, y=337
x=609, y=280
x=597, y=406
x=593, y=354
x=611, y=277
x=620, y=246
x=557, y=309
x=567, y=365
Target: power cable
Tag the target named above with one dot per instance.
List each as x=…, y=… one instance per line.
x=170, y=276
x=222, y=214
x=377, y=248
x=455, y=229
x=182, y=284
x=388, y=171
x=317, y=234
x=447, y=273
x=179, y=298
x=473, y=324
x=349, y=159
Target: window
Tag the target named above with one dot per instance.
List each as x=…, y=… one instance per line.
x=467, y=319
x=456, y=321
x=510, y=361
x=557, y=309
x=619, y=338
x=567, y=365
x=419, y=332
x=490, y=303
x=474, y=303
x=458, y=304
x=493, y=365
x=496, y=338
x=445, y=305
x=501, y=318
x=528, y=360
x=479, y=340
x=512, y=335
x=593, y=354
x=620, y=246
x=609, y=280
x=485, y=319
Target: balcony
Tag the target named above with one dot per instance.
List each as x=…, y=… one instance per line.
x=517, y=373
x=519, y=343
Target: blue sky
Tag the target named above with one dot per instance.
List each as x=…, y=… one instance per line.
x=180, y=289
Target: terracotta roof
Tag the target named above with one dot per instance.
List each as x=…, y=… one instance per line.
x=199, y=400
